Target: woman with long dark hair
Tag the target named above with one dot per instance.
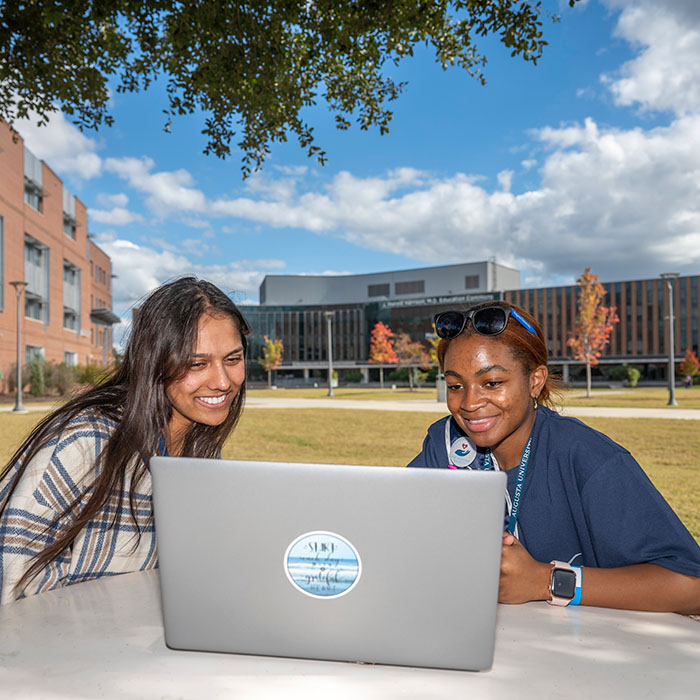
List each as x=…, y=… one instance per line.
x=583, y=523
x=75, y=499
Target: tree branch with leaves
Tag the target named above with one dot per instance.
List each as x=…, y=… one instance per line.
x=250, y=68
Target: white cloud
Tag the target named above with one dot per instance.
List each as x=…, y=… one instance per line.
x=168, y=192
x=624, y=198
x=505, y=179
x=118, y=216
x=62, y=145
x=666, y=73
x=296, y=170
x=112, y=200
x=140, y=269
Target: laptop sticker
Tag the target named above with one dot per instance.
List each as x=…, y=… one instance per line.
x=322, y=564
x=462, y=452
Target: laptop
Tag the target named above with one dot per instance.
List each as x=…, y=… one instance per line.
x=338, y=562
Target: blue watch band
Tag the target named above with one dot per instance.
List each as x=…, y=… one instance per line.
x=579, y=581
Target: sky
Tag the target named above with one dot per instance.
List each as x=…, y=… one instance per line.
x=589, y=159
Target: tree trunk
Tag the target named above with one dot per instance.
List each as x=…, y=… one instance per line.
x=381, y=377
x=588, y=380
x=410, y=378
x=269, y=379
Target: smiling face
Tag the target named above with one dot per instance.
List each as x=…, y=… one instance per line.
x=490, y=394
x=214, y=377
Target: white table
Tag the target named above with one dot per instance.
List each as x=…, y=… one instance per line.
x=104, y=639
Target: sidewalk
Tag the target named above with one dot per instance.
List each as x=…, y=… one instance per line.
x=435, y=407
x=29, y=407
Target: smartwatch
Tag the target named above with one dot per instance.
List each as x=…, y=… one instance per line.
x=565, y=584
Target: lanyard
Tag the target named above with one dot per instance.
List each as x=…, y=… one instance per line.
x=162, y=447
x=520, y=480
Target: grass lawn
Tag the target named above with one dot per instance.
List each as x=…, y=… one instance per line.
x=639, y=397
x=668, y=450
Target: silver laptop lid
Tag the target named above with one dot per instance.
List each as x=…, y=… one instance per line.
x=353, y=563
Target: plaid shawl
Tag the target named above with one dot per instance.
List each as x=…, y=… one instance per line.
x=60, y=472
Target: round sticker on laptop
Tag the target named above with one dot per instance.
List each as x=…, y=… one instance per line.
x=322, y=564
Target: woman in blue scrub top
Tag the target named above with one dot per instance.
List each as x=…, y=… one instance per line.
x=583, y=523
x=75, y=499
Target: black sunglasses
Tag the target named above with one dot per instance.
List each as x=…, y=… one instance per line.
x=485, y=320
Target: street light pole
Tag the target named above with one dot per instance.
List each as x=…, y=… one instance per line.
x=670, y=277
x=19, y=286
x=329, y=319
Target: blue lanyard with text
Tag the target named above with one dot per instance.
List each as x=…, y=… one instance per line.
x=520, y=480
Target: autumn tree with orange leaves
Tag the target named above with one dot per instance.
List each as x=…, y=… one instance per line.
x=594, y=323
x=411, y=354
x=690, y=367
x=381, y=348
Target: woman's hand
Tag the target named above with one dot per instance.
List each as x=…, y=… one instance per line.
x=637, y=587
x=522, y=578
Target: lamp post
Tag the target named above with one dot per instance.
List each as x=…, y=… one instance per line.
x=670, y=277
x=329, y=320
x=19, y=287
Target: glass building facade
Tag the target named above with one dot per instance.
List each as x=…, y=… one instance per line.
x=640, y=337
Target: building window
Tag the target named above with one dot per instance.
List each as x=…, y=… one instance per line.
x=32, y=308
x=69, y=227
x=378, y=290
x=417, y=287
x=33, y=189
x=33, y=352
x=33, y=197
x=68, y=214
x=36, y=274
x=32, y=255
x=70, y=358
x=71, y=296
x=471, y=282
x=70, y=321
x=70, y=273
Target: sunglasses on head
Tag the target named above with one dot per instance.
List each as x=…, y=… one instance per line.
x=485, y=320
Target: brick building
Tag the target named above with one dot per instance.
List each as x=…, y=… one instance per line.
x=44, y=241
x=641, y=338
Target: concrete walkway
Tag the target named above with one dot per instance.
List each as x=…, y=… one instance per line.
x=435, y=407
x=425, y=406
x=29, y=407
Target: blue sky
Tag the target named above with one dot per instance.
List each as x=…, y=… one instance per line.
x=591, y=158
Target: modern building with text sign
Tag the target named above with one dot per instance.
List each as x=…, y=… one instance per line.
x=66, y=305
x=294, y=308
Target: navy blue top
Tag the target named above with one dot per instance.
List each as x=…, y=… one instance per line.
x=584, y=494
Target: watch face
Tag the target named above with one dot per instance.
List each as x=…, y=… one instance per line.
x=563, y=583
